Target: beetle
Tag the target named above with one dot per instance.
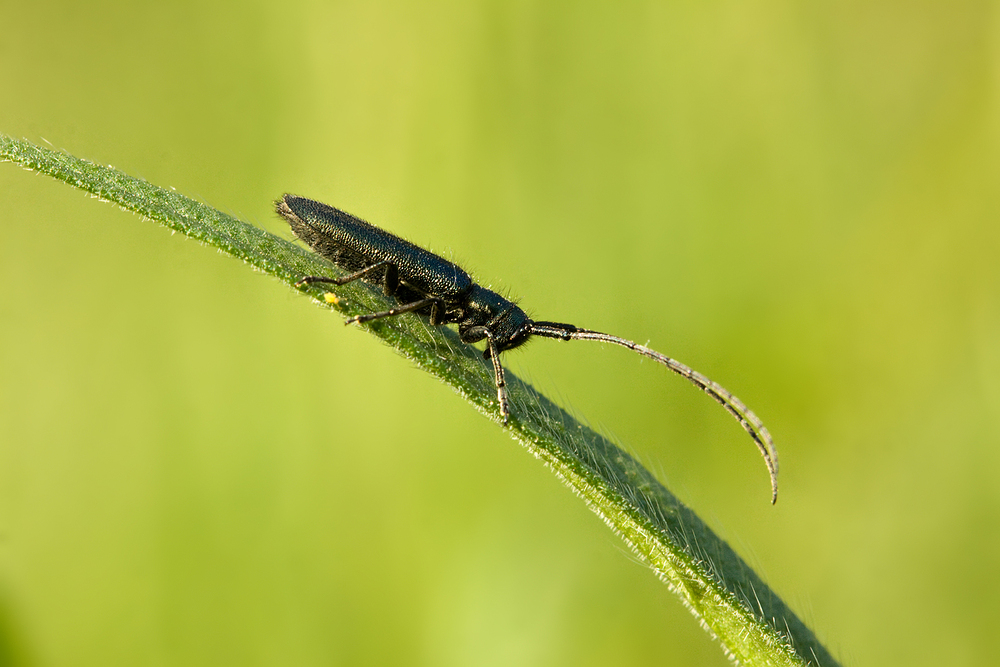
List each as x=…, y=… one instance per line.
x=429, y=285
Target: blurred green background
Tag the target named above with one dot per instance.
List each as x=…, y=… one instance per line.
x=198, y=467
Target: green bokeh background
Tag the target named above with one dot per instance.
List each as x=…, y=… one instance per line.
x=198, y=467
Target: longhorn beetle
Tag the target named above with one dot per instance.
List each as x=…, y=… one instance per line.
x=429, y=285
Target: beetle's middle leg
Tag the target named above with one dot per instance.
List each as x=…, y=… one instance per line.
x=437, y=308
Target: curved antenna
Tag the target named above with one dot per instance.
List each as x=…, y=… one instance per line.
x=750, y=422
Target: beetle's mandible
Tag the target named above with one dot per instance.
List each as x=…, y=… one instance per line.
x=429, y=285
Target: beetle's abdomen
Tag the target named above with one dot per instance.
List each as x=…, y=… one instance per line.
x=353, y=244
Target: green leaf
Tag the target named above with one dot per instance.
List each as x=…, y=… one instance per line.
x=729, y=600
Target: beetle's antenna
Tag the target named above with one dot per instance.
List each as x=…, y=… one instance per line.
x=751, y=422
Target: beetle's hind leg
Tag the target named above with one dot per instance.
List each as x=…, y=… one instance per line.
x=390, y=285
x=390, y=281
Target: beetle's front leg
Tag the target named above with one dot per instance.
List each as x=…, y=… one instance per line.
x=498, y=376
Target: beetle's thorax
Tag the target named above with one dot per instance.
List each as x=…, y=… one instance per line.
x=485, y=310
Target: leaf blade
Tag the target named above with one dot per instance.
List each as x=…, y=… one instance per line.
x=730, y=601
